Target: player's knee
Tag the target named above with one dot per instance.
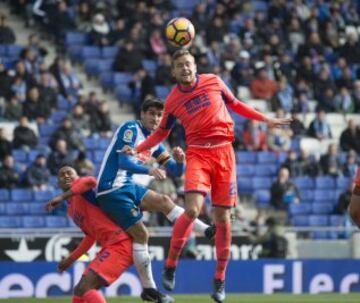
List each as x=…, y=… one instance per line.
x=80, y=289
x=141, y=236
x=166, y=203
x=192, y=212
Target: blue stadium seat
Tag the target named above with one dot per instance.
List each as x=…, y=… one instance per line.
x=124, y=94
x=260, y=5
x=265, y=170
x=2, y=209
x=324, y=195
x=98, y=156
x=88, y=52
x=62, y=103
x=4, y=195
x=300, y=221
x=109, y=52
x=36, y=209
x=336, y=220
x=76, y=38
x=299, y=209
x=20, y=155
x=107, y=80
x=55, y=221
x=21, y=195
x=343, y=182
x=245, y=170
x=318, y=220
x=122, y=78
x=325, y=182
x=58, y=116
x=94, y=67
x=10, y=222
x=262, y=197
x=91, y=143
x=261, y=182
x=53, y=181
x=46, y=130
x=304, y=182
x=33, y=221
x=103, y=143
x=3, y=50
x=320, y=235
x=42, y=196
x=74, y=52
x=266, y=157
x=13, y=50
x=150, y=66
x=17, y=208
x=246, y=157
x=322, y=208
x=162, y=91
x=245, y=185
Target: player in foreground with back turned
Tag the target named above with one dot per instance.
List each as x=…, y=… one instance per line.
x=199, y=103
x=116, y=245
x=354, y=207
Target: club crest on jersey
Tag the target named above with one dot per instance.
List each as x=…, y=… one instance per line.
x=128, y=135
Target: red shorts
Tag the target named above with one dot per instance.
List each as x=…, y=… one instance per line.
x=212, y=169
x=112, y=261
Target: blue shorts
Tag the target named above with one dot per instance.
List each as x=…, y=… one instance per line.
x=123, y=205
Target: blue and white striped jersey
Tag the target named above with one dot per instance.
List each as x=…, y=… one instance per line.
x=111, y=176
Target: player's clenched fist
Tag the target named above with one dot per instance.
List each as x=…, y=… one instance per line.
x=178, y=154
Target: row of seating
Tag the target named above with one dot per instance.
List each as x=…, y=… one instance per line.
x=27, y=195
x=35, y=222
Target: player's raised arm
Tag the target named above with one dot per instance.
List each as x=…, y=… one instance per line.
x=247, y=111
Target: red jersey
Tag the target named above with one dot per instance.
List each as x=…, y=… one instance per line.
x=92, y=221
x=202, y=111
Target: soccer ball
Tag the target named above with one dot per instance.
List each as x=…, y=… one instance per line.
x=180, y=32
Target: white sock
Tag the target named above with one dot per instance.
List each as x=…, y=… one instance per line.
x=142, y=263
x=177, y=211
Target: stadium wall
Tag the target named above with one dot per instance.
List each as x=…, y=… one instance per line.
x=40, y=279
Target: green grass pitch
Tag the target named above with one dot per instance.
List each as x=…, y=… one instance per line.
x=281, y=298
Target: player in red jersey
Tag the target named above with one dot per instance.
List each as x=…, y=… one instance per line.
x=199, y=103
x=115, y=255
x=354, y=207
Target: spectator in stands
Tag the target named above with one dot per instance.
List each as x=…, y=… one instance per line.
x=47, y=90
x=129, y=59
x=37, y=174
x=19, y=88
x=5, y=145
x=283, y=191
x=83, y=165
x=118, y=34
x=13, y=109
x=346, y=79
x=351, y=49
x=327, y=100
x=296, y=125
x=356, y=95
x=323, y=82
x=319, y=128
x=242, y=72
x=67, y=133
x=351, y=165
x=35, y=46
x=59, y=157
x=278, y=139
x=284, y=98
x=343, y=101
x=100, y=30
x=157, y=44
x=36, y=108
x=102, y=124
x=305, y=71
x=30, y=61
x=307, y=164
x=262, y=87
x=344, y=200
x=163, y=71
x=84, y=12
x=9, y=177
x=61, y=20
x=330, y=163
x=69, y=82
x=5, y=82
x=24, y=136
x=143, y=83
x=254, y=138
x=80, y=121
x=350, y=137
x=292, y=164
x=7, y=35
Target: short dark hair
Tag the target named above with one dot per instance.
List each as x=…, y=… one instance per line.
x=152, y=102
x=179, y=53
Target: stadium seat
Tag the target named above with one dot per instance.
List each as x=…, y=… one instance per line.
x=36, y=209
x=58, y=116
x=261, y=182
x=20, y=155
x=245, y=185
x=318, y=220
x=162, y=91
x=246, y=157
x=262, y=197
x=46, y=130
x=10, y=222
x=62, y=103
x=343, y=183
x=299, y=209
x=265, y=170
x=16, y=209
x=324, y=195
x=88, y=52
x=322, y=208
x=266, y=157
x=300, y=221
x=42, y=196
x=3, y=50
x=33, y=221
x=13, y=50
x=76, y=38
x=107, y=80
x=98, y=156
x=122, y=78
x=325, y=182
x=336, y=220
x=21, y=195
x=91, y=143
x=94, y=67
x=150, y=66
x=304, y=182
x=124, y=94
x=109, y=52
x=4, y=195
x=243, y=170
x=55, y=221
x=2, y=209
x=103, y=143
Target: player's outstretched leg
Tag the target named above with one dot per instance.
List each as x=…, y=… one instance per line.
x=86, y=290
x=153, y=295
